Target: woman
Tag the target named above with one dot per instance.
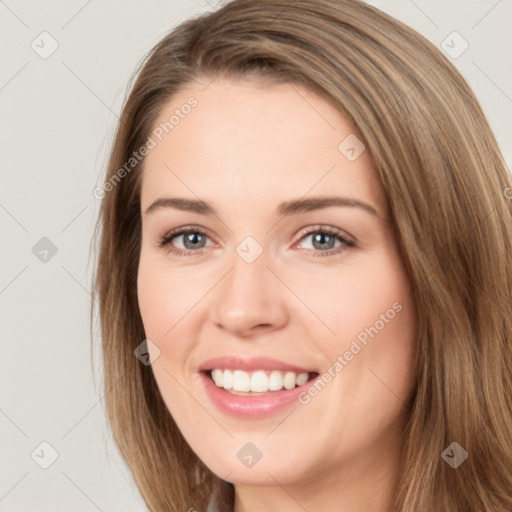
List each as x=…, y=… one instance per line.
x=303, y=277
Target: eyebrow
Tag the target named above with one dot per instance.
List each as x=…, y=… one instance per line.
x=286, y=208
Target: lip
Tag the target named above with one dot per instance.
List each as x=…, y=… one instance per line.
x=259, y=406
x=256, y=406
x=251, y=364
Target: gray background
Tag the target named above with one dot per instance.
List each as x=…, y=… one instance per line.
x=58, y=116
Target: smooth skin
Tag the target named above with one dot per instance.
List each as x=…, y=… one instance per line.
x=246, y=147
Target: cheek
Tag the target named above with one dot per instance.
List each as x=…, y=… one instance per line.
x=376, y=337
x=164, y=296
x=372, y=313
x=150, y=295
x=369, y=295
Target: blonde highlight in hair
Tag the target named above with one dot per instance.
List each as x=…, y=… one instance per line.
x=445, y=179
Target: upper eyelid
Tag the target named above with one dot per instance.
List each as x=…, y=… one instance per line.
x=321, y=227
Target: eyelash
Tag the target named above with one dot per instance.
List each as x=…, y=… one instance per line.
x=167, y=238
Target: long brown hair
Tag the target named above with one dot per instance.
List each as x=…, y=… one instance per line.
x=449, y=193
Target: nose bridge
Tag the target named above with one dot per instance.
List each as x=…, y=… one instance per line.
x=249, y=295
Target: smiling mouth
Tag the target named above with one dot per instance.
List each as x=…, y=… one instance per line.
x=259, y=382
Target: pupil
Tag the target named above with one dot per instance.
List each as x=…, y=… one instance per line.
x=320, y=237
x=193, y=238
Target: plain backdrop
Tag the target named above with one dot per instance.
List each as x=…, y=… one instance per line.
x=58, y=114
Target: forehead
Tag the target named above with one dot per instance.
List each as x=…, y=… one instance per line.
x=253, y=141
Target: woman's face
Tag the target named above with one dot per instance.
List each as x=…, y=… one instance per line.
x=268, y=276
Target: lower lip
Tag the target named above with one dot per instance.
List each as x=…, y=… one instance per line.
x=252, y=406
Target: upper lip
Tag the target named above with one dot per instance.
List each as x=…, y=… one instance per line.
x=250, y=364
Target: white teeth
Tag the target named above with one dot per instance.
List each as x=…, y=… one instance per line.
x=302, y=378
x=275, y=382
x=218, y=377
x=241, y=381
x=289, y=380
x=227, y=380
x=260, y=381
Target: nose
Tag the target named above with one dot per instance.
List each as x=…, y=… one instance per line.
x=250, y=299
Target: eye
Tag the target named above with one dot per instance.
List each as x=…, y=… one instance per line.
x=193, y=239
x=324, y=240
